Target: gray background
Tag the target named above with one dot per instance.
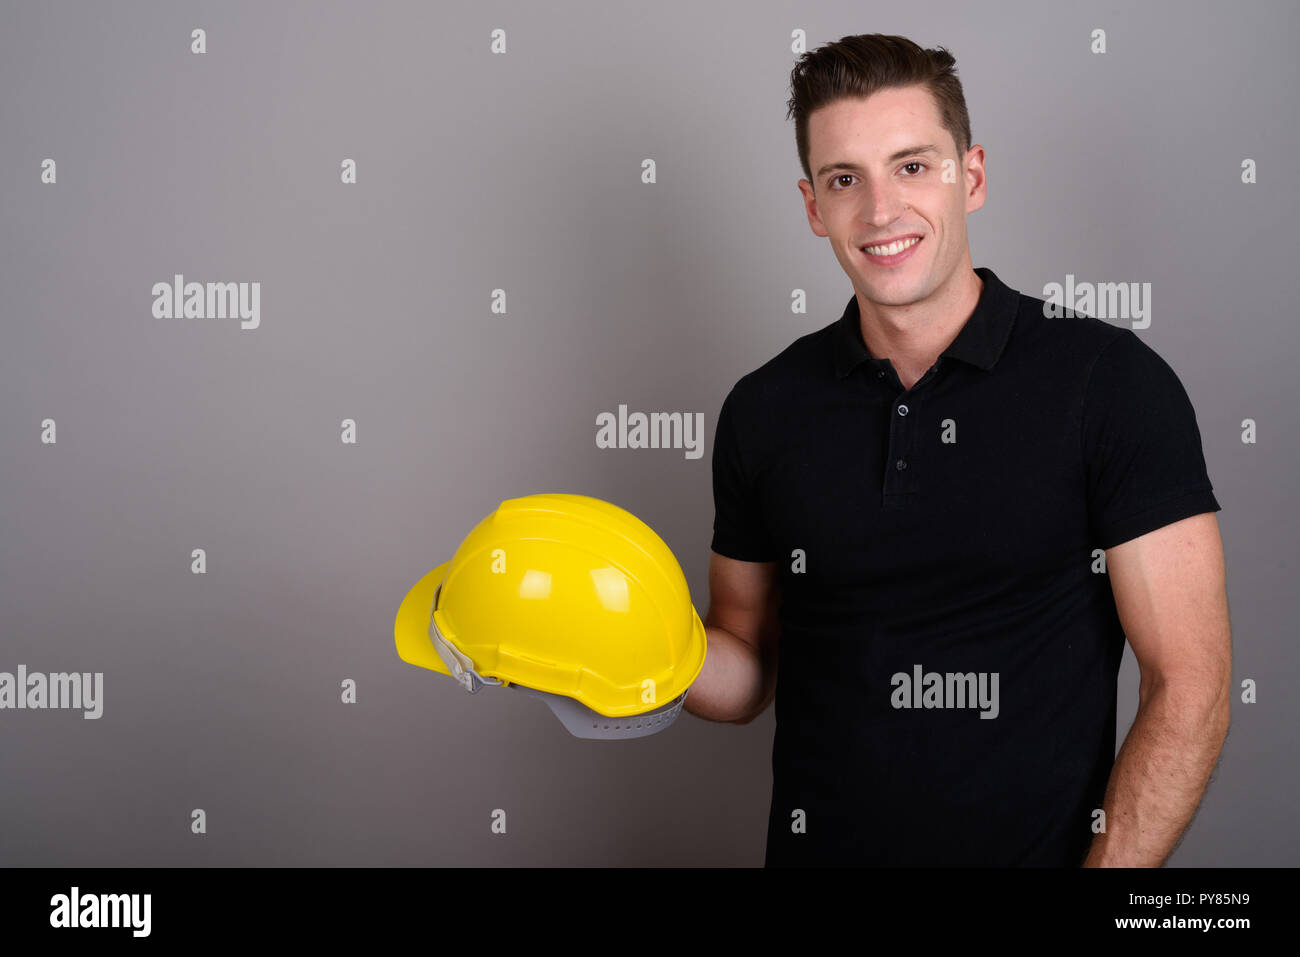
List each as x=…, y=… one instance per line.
x=522, y=171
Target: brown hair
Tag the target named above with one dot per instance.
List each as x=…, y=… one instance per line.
x=858, y=66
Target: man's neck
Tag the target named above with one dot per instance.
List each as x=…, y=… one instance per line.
x=912, y=337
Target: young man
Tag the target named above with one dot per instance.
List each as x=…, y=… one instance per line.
x=912, y=505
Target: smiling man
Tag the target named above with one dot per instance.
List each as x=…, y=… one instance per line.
x=943, y=497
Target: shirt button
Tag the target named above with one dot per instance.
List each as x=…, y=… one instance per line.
x=902, y=410
x=880, y=373
x=900, y=465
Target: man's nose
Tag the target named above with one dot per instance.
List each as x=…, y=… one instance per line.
x=883, y=206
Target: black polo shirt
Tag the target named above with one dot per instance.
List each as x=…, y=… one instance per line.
x=950, y=644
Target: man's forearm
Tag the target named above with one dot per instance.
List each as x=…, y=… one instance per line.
x=732, y=686
x=1159, y=777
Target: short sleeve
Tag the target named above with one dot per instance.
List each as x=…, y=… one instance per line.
x=1142, y=448
x=738, y=528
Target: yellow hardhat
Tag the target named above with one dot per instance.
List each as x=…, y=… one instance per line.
x=569, y=598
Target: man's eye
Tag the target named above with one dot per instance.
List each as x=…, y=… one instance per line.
x=844, y=176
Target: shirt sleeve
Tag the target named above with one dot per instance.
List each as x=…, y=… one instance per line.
x=1142, y=448
x=738, y=528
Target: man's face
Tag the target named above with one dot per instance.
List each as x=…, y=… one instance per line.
x=865, y=193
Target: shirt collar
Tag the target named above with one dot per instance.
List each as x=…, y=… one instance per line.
x=979, y=342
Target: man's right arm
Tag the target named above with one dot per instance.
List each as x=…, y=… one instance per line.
x=738, y=680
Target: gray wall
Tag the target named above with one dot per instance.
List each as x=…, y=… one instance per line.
x=522, y=172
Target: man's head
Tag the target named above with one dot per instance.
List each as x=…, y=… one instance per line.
x=861, y=107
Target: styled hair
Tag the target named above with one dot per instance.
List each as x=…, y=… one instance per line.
x=858, y=66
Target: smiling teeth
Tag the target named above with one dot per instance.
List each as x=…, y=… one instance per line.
x=893, y=249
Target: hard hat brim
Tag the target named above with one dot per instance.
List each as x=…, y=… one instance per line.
x=411, y=630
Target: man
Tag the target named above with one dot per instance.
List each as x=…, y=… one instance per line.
x=912, y=508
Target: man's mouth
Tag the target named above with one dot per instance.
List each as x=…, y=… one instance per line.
x=893, y=252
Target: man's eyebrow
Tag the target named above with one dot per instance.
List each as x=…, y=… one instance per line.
x=894, y=158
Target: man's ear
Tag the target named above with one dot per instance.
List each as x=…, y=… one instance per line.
x=810, y=208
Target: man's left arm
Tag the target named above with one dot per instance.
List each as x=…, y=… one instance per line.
x=1170, y=592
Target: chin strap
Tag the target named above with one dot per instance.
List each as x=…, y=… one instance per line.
x=460, y=666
